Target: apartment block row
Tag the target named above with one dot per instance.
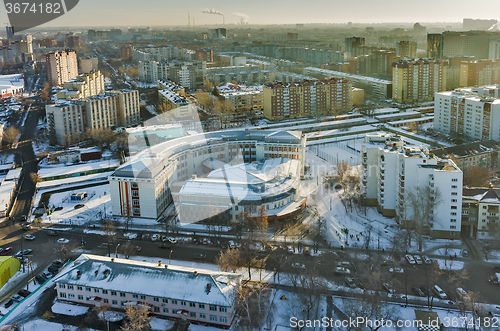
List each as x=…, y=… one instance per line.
x=83, y=86
x=307, y=98
x=471, y=112
x=480, y=44
x=189, y=74
x=243, y=97
x=68, y=121
x=165, y=53
x=391, y=172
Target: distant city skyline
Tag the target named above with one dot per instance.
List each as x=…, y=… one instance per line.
x=160, y=12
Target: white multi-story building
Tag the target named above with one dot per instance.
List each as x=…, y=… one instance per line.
x=473, y=112
x=197, y=295
x=151, y=180
x=243, y=97
x=83, y=86
x=68, y=121
x=390, y=170
x=189, y=74
x=61, y=66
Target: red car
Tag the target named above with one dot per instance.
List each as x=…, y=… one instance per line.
x=6, y=251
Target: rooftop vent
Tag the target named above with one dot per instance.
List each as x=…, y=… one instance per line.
x=196, y=273
x=159, y=263
x=78, y=274
x=96, y=272
x=112, y=259
x=105, y=273
x=208, y=288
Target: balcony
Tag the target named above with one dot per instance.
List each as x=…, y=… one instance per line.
x=492, y=218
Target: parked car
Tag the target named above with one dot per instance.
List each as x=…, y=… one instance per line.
x=164, y=238
x=58, y=208
x=439, y=292
x=8, y=304
x=342, y=271
x=426, y=259
x=27, y=227
x=231, y=244
x=53, y=270
x=289, y=250
x=427, y=291
x=80, y=205
x=205, y=241
x=307, y=251
x=410, y=259
x=418, y=260
x=40, y=279
x=465, y=253
x=418, y=291
x=388, y=287
x=24, y=293
x=155, y=237
x=24, y=252
x=199, y=256
x=53, y=233
x=396, y=270
x=29, y=237
x=57, y=264
x=172, y=240
x=47, y=275
x=344, y=264
x=297, y=265
x=63, y=240
x=17, y=297
x=462, y=295
x=350, y=282
x=6, y=250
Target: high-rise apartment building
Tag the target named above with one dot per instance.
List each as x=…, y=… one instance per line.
x=189, y=74
x=477, y=24
x=89, y=64
x=126, y=52
x=307, y=98
x=418, y=80
x=472, y=112
x=68, y=121
x=206, y=55
x=406, y=48
x=478, y=73
x=480, y=212
x=83, y=86
x=470, y=43
x=61, y=66
x=351, y=43
x=394, y=176
x=72, y=41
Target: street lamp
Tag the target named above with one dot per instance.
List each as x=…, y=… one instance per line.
x=116, y=250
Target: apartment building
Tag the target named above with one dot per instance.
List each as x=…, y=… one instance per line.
x=126, y=52
x=391, y=170
x=484, y=153
x=243, y=97
x=251, y=77
x=471, y=112
x=164, y=53
x=455, y=43
x=378, y=62
x=351, y=43
x=378, y=87
x=206, y=55
x=89, y=64
x=82, y=86
x=417, y=80
x=68, y=121
x=189, y=74
x=307, y=98
x=406, y=48
x=197, y=295
x=479, y=73
x=61, y=66
x=480, y=212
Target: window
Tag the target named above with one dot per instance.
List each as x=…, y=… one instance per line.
x=156, y=309
x=202, y=316
x=183, y=303
x=114, y=302
x=123, y=294
x=192, y=314
x=70, y=287
x=453, y=200
x=96, y=290
x=62, y=295
x=71, y=296
x=484, y=207
x=165, y=310
x=89, y=289
x=453, y=226
x=453, y=193
x=62, y=286
x=174, y=302
x=164, y=300
x=213, y=318
x=454, y=180
x=105, y=300
x=113, y=292
x=223, y=309
x=453, y=207
x=201, y=305
x=223, y=319
x=213, y=308
x=156, y=299
x=453, y=186
x=80, y=297
x=453, y=213
x=143, y=297
x=79, y=288
x=135, y=296
x=453, y=220
x=104, y=291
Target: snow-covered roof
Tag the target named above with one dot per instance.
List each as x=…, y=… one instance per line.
x=77, y=169
x=152, y=279
x=485, y=195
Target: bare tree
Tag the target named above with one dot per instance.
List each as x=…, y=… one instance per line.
x=476, y=176
x=371, y=307
x=10, y=135
x=137, y=318
x=109, y=229
x=254, y=304
x=35, y=178
x=229, y=260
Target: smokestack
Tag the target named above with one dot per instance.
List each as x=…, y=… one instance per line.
x=189, y=21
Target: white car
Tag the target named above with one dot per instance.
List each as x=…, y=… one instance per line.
x=298, y=266
x=29, y=237
x=426, y=259
x=155, y=237
x=410, y=259
x=63, y=240
x=418, y=260
x=397, y=270
x=342, y=271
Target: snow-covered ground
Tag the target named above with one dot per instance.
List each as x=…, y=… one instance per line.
x=160, y=324
x=64, y=308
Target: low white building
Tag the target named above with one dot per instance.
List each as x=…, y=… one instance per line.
x=390, y=170
x=169, y=291
x=11, y=85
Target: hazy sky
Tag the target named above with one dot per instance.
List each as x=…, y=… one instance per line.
x=169, y=12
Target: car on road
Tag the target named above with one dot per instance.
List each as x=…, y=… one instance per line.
x=350, y=282
x=80, y=205
x=29, y=237
x=439, y=292
x=24, y=252
x=342, y=271
x=58, y=208
x=24, y=293
x=199, y=256
x=297, y=265
x=26, y=227
x=17, y=297
x=8, y=304
x=155, y=237
x=418, y=291
x=418, y=260
x=388, y=287
x=6, y=251
x=396, y=270
x=53, y=233
x=465, y=253
x=410, y=259
x=63, y=240
x=426, y=259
